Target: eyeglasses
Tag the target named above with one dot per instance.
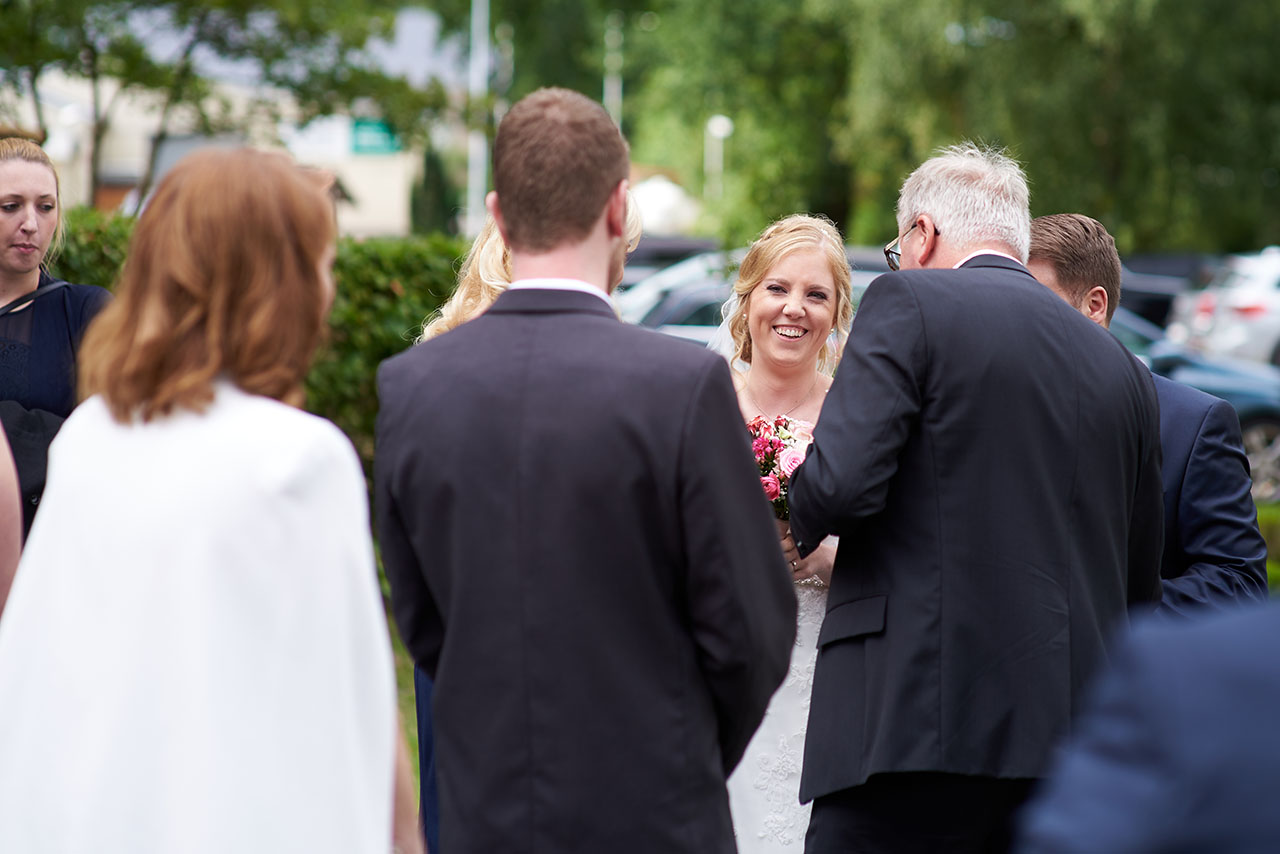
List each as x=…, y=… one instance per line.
x=893, y=251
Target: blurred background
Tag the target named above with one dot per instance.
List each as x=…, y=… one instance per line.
x=1159, y=117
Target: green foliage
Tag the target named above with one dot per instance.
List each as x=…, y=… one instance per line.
x=1269, y=524
x=315, y=52
x=385, y=289
x=555, y=42
x=1158, y=117
x=93, y=249
x=434, y=203
x=779, y=71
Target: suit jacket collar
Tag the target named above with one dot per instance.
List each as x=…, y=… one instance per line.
x=546, y=301
x=990, y=260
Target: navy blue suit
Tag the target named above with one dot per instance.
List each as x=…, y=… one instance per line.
x=1213, y=553
x=1178, y=750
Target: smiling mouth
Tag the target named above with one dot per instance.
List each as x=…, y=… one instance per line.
x=791, y=332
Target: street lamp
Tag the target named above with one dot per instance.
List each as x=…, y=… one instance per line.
x=719, y=128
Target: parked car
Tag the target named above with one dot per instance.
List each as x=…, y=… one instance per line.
x=656, y=252
x=1150, y=295
x=1238, y=313
x=688, y=305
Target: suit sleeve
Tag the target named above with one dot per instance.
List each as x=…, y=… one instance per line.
x=1217, y=523
x=1115, y=785
x=742, y=606
x=1146, y=517
x=412, y=605
x=867, y=417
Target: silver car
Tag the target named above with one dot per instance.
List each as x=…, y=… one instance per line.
x=1238, y=313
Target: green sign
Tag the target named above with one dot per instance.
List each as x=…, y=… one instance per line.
x=372, y=136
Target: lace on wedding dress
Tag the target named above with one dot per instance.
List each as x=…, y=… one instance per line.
x=764, y=790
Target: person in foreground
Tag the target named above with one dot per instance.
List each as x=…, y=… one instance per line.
x=485, y=274
x=194, y=656
x=42, y=319
x=991, y=462
x=579, y=551
x=1214, y=555
x=788, y=319
x=1177, y=749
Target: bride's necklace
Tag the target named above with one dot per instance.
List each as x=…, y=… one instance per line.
x=747, y=387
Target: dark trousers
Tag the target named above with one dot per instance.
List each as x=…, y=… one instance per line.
x=924, y=812
x=429, y=802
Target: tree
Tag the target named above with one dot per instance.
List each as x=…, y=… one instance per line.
x=779, y=71
x=313, y=52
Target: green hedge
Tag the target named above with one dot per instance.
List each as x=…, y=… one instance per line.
x=1269, y=524
x=385, y=288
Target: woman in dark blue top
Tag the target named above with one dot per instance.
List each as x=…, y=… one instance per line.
x=41, y=319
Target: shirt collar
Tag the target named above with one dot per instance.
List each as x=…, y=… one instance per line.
x=966, y=259
x=561, y=285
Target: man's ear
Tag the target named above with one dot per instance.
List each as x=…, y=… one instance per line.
x=616, y=211
x=495, y=211
x=1095, y=305
x=929, y=239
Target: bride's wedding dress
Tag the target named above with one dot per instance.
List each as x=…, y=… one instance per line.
x=764, y=790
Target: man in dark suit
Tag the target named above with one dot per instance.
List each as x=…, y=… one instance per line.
x=991, y=462
x=1178, y=748
x=579, y=550
x=1214, y=555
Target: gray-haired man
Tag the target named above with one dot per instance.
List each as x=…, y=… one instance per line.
x=991, y=461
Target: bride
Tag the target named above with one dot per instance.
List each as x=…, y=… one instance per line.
x=787, y=319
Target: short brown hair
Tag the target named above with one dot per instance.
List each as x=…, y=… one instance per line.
x=222, y=278
x=556, y=159
x=1082, y=254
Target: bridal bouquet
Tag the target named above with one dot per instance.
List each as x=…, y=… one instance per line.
x=779, y=446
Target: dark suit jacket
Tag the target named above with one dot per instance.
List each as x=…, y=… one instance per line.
x=1213, y=553
x=581, y=556
x=1177, y=750
x=991, y=460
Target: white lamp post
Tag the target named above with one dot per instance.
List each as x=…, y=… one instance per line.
x=719, y=128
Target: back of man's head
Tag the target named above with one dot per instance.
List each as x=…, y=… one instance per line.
x=1082, y=255
x=976, y=197
x=556, y=158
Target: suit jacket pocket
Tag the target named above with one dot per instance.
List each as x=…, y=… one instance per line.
x=853, y=619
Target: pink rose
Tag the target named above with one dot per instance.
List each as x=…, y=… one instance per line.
x=802, y=433
x=790, y=460
x=772, y=489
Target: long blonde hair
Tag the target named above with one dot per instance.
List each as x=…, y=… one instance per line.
x=798, y=231
x=486, y=272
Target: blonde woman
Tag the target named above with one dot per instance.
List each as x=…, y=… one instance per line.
x=787, y=320
x=42, y=319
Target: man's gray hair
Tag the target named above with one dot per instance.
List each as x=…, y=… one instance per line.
x=975, y=196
